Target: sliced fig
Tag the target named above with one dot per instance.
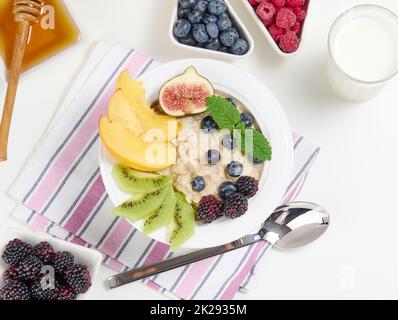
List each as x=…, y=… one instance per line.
x=185, y=94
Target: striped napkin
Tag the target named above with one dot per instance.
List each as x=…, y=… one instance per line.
x=62, y=193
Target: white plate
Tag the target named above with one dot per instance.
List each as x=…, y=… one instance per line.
x=89, y=257
x=273, y=123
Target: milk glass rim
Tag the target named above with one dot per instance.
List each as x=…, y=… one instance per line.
x=333, y=27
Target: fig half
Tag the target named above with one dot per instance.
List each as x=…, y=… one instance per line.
x=185, y=94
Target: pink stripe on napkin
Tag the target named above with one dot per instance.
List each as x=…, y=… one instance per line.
x=116, y=238
x=86, y=206
x=235, y=284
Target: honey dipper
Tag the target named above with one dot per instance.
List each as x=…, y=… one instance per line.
x=26, y=13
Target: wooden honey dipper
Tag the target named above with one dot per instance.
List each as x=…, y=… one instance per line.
x=26, y=13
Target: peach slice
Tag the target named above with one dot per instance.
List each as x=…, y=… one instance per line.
x=159, y=125
x=127, y=148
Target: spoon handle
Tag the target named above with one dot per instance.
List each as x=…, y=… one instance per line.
x=172, y=263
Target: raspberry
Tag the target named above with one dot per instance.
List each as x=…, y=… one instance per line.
x=29, y=268
x=15, y=290
x=15, y=251
x=10, y=274
x=289, y=42
x=295, y=3
x=296, y=28
x=266, y=11
x=278, y=3
x=248, y=186
x=44, y=251
x=42, y=292
x=285, y=18
x=210, y=208
x=78, y=278
x=63, y=292
x=252, y=2
x=300, y=13
x=235, y=206
x=62, y=261
x=275, y=32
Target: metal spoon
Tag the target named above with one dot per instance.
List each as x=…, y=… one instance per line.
x=289, y=226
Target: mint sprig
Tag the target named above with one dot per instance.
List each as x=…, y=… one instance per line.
x=252, y=141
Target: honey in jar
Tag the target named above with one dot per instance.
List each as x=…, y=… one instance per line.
x=54, y=32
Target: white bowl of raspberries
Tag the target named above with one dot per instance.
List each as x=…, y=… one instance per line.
x=283, y=22
x=35, y=266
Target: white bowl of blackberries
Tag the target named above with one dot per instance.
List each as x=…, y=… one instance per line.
x=211, y=27
x=36, y=267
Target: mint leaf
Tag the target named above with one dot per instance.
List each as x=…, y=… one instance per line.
x=261, y=147
x=223, y=112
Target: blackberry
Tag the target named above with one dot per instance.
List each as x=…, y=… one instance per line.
x=78, y=278
x=10, y=274
x=15, y=251
x=64, y=292
x=209, y=209
x=248, y=186
x=44, y=251
x=42, y=291
x=15, y=290
x=235, y=206
x=62, y=261
x=29, y=268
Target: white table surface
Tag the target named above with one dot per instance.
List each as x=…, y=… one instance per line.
x=355, y=176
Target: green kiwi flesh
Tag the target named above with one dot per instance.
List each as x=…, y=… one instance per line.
x=140, y=206
x=184, y=220
x=163, y=215
x=133, y=181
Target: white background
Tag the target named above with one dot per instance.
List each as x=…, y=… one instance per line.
x=355, y=176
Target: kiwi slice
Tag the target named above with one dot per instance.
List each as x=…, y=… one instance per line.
x=140, y=206
x=133, y=181
x=184, y=219
x=163, y=215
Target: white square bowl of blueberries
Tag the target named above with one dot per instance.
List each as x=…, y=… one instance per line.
x=211, y=27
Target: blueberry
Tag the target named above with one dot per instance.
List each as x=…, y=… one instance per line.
x=188, y=40
x=213, y=44
x=226, y=189
x=208, y=124
x=183, y=12
x=247, y=119
x=201, y=5
x=240, y=47
x=207, y=18
x=234, y=169
x=212, y=30
x=198, y=184
x=229, y=142
x=213, y=156
x=181, y=28
x=187, y=3
x=199, y=33
x=223, y=49
x=232, y=101
x=229, y=37
x=224, y=23
x=257, y=161
x=195, y=16
x=217, y=7
x=224, y=15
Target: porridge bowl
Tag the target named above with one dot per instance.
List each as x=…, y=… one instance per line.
x=251, y=96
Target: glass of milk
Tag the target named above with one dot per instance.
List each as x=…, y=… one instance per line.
x=363, y=52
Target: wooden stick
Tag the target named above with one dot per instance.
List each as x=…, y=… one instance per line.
x=16, y=65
